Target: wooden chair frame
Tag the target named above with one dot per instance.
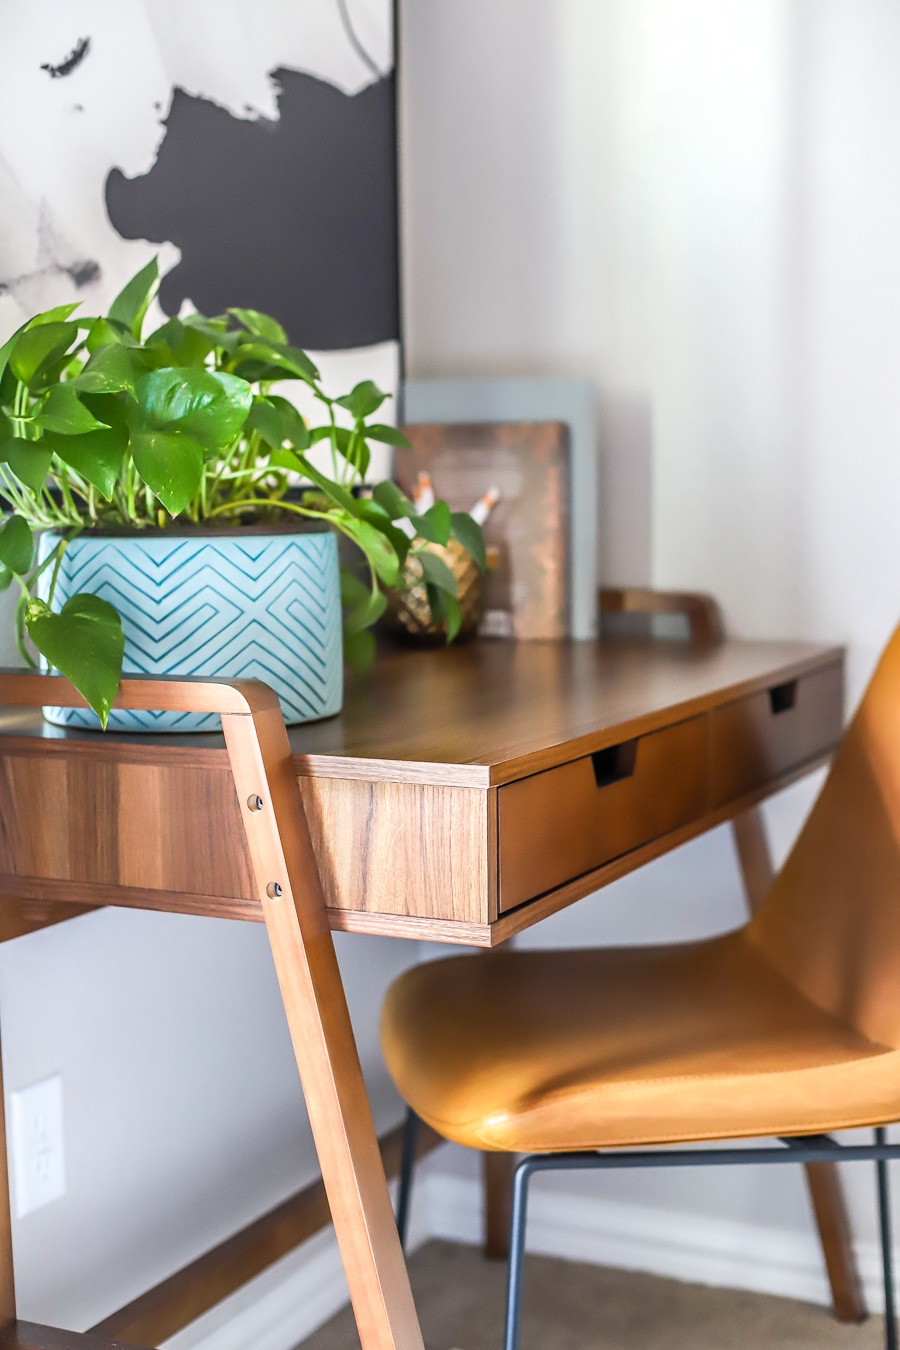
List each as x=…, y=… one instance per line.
x=293, y=908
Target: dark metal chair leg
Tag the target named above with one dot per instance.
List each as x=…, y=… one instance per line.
x=887, y=1260
x=407, y=1163
x=517, y=1254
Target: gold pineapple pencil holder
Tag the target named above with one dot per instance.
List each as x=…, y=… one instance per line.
x=408, y=617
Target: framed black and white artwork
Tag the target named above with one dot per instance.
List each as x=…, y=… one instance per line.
x=252, y=147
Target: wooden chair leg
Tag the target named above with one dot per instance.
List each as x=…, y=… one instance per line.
x=498, y=1171
x=316, y=1008
x=823, y=1179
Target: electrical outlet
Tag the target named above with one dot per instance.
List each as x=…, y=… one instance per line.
x=36, y=1119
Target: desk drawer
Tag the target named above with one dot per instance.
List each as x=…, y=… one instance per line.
x=564, y=822
x=767, y=734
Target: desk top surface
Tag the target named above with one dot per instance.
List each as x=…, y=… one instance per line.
x=490, y=711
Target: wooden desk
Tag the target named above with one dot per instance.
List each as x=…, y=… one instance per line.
x=462, y=796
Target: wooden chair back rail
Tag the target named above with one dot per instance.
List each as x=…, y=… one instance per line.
x=703, y=614
x=290, y=892
x=27, y=689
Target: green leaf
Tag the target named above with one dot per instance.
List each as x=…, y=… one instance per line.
x=287, y=459
x=364, y=614
x=261, y=325
x=56, y=315
x=84, y=642
x=363, y=399
x=387, y=435
x=6, y=577
x=469, y=533
x=435, y=524
x=96, y=456
x=217, y=330
x=107, y=372
x=16, y=545
x=209, y=405
x=131, y=304
x=265, y=419
x=37, y=348
x=437, y=572
x=377, y=548
x=357, y=453
x=366, y=509
x=294, y=429
x=389, y=496
x=7, y=348
x=63, y=411
x=110, y=409
x=340, y=436
x=444, y=610
x=187, y=344
x=102, y=333
x=29, y=461
x=286, y=361
x=170, y=463
x=452, y=615
x=359, y=651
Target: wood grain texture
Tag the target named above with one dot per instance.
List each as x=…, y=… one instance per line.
x=829, y=1203
x=409, y=849
x=79, y=896
x=199, y=1286
x=754, y=855
x=18, y=917
x=758, y=736
x=517, y=920
x=570, y=820
x=31, y=1336
x=142, y=825
x=182, y=693
x=490, y=712
x=287, y=883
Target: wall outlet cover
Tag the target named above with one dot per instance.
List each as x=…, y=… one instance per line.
x=36, y=1137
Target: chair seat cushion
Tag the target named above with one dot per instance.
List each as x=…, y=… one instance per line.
x=549, y=1050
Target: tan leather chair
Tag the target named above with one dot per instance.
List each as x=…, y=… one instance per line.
x=788, y=1027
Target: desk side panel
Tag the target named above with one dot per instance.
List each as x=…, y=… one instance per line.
x=102, y=823
x=407, y=849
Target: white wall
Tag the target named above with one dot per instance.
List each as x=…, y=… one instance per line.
x=697, y=204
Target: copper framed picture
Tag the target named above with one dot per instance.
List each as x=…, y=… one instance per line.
x=527, y=530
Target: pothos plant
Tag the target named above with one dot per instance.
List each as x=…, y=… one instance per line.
x=103, y=429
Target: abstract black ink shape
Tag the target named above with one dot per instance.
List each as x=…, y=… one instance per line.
x=72, y=61
x=296, y=217
x=83, y=273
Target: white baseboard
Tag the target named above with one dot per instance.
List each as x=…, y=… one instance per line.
x=292, y=1299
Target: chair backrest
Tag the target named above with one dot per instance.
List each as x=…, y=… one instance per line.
x=831, y=922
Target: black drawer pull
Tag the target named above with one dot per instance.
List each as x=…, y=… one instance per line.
x=614, y=763
x=782, y=697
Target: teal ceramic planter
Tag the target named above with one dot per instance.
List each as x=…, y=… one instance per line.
x=233, y=606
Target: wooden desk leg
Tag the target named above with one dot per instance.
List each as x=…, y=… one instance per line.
x=314, y=1001
x=823, y=1179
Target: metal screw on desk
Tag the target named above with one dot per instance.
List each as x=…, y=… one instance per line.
x=255, y=802
x=273, y=890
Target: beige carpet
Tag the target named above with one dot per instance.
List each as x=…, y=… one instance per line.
x=460, y=1299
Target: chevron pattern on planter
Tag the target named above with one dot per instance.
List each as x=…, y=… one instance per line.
x=247, y=606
